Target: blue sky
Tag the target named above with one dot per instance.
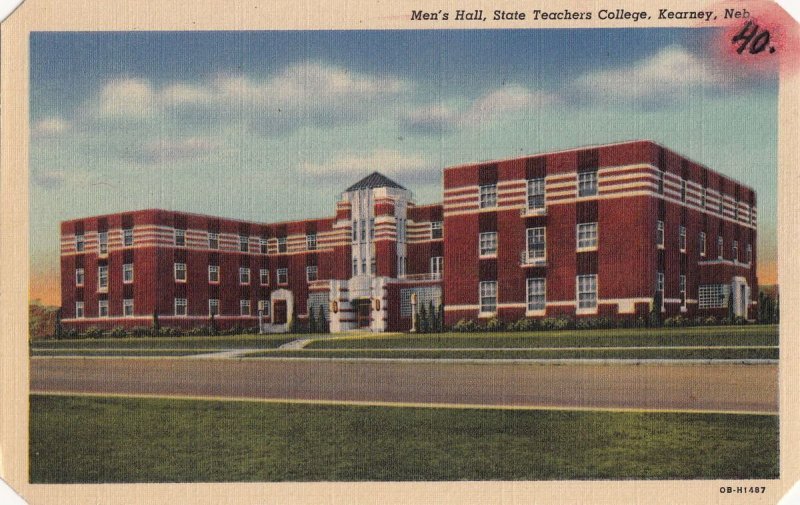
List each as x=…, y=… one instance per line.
x=272, y=126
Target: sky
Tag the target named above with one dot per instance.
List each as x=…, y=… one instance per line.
x=272, y=126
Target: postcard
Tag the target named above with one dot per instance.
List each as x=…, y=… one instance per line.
x=450, y=252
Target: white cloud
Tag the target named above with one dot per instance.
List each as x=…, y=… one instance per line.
x=661, y=77
x=387, y=161
x=167, y=150
x=50, y=127
x=126, y=98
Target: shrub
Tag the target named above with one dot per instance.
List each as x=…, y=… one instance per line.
x=93, y=332
x=710, y=321
x=556, y=323
x=465, y=326
x=117, y=332
x=522, y=324
x=168, y=331
x=494, y=324
x=140, y=331
x=69, y=333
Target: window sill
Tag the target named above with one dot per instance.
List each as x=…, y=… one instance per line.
x=487, y=256
x=660, y=246
x=180, y=281
x=587, y=311
x=586, y=249
x=535, y=313
x=487, y=314
x=102, y=290
x=127, y=282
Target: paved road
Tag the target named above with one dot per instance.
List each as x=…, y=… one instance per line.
x=723, y=387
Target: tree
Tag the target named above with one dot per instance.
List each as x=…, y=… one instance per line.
x=156, y=324
x=422, y=320
x=312, y=321
x=322, y=322
x=59, y=333
x=655, y=309
x=433, y=319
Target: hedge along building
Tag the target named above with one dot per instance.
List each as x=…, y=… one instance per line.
x=596, y=231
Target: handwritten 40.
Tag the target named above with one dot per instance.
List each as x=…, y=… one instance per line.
x=749, y=36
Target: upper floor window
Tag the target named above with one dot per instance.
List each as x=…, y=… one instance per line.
x=660, y=233
x=262, y=244
x=683, y=190
x=102, y=239
x=79, y=277
x=720, y=249
x=682, y=289
x=80, y=242
x=363, y=231
x=736, y=210
x=127, y=237
x=127, y=273
x=283, y=275
x=401, y=229
x=660, y=182
x=702, y=239
x=735, y=250
x=536, y=294
x=721, y=204
x=180, y=238
x=311, y=273
x=244, y=275
x=587, y=183
x=587, y=236
x=587, y=291
x=488, y=296
x=282, y=247
x=102, y=277
x=703, y=198
x=536, y=193
x=372, y=228
x=264, y=277
x=537, y=244
x=373, y=266
x=488, y=243
x=355, y=231
x=180, y=272
x=355, y=266
x=213, y=240
x=213, y=273
x=437, y=266
x=488, y=196
x=682, y=239
x=244, y=243
x=749, y=253
x=436, y=229
x=311, y=241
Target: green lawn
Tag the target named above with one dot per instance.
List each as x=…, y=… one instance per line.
x=82, y=439
x=220, y=342
x=618, y=337
x=120, y=352
x=554, y=353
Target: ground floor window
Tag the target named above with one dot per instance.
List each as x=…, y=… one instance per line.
x=587, y=291
x=713, y=296
x=79, y=309
x=244, y=307
x=127, y=307
x=213, y=307
x=536, y=294
x=180, y=306
x=488, y=296
x=102, y=308
x=263, y=307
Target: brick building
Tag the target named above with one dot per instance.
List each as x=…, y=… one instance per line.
x=586, y=232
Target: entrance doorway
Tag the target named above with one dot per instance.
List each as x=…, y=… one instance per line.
x=279, y=312
x=363, y=310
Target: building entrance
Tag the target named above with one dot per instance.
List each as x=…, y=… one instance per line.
x=363, y=310
x=279, y=312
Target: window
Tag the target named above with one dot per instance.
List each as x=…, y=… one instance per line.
x=180, y=238
x=127, y=273
x=180, y=306
x=436, y=229
x=683, y=190
x=127, y=307
x=373, y=267
x=587, y=291
x=401, y=265
x=488, y=196
x=244, y=275
x=127, y=237
x=213, y=307
x=263, y=275
x=488, y=243
x=355, y=266
x=703, y=198
x=282, y=245
x=536, y=194
x=262, y=244
x=660, y=182
x=749, y=253
x=721, y=204
x=79, y=277
x=213, y=240
x=437, y=266
x=283, y=275
x=79, y=310
x=537, y=245
x=682, y=289
x=363, y=265
x=735, y=250
x=263, y=307
x=736, y=210
x=311, y=273
x=372, y=228
x=80, y=243
x=244, y=243
x=213, y=273
x=355, y=231
x=587, y=236
x=488, y=297
x=660, y=283
x=720, y=244
x=102, y=308
x=102, y=277
x=587, y=183
x=244, y=307
x=682, y=239
x=702, y=240
x=363, y=231
x=660, y=234
x=713, y=296
x=401, y=230
x=103, y=242
x=311, y=241
x=536, y=294
x=180, y=272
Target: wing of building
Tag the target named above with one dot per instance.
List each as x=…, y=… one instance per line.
x=600, y=231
